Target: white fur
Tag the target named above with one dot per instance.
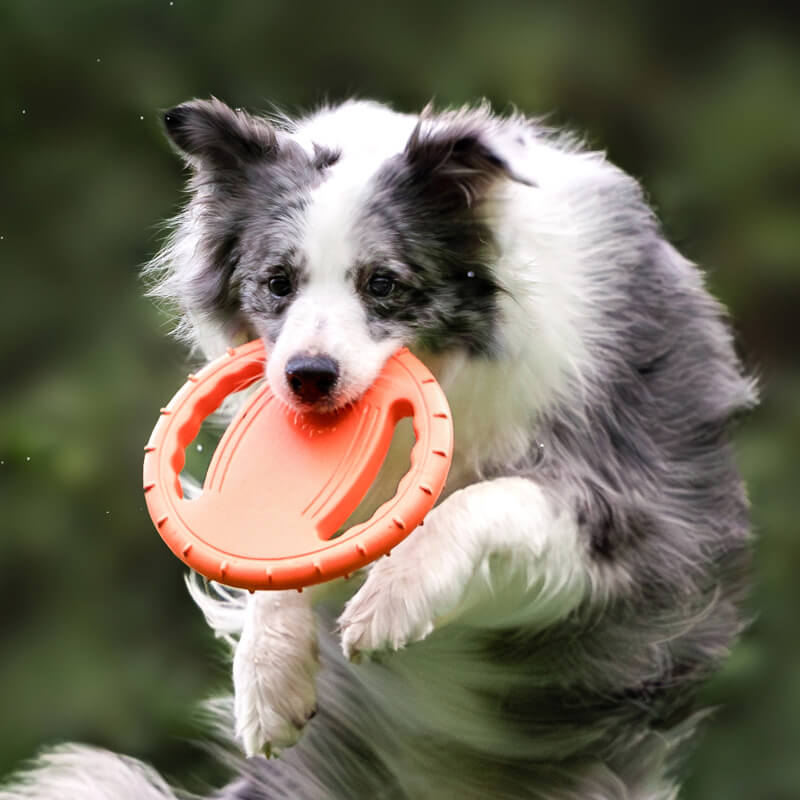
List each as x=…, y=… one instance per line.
x=497, y=553
x=222, y=607
x=327, y=318
x=73, y=772
x=273, y=671
x=360, y=129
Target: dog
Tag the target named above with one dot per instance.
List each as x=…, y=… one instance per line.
x=544, y=634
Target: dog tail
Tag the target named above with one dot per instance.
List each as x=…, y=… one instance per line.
x=69, y=772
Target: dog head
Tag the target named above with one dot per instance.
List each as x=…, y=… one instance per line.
x=340, y=239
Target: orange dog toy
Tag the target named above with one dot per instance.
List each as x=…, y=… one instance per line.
x=281, y=483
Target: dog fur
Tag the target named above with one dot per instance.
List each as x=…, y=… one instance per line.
x=544, y=634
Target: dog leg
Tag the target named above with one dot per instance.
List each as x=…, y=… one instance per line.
x=500, y=552
x=274, y=670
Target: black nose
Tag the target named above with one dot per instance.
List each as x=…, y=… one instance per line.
x=311, y=377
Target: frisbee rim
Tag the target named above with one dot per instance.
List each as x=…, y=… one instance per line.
x=390, y=523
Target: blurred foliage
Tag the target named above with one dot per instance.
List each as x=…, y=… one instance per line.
x=701, y=101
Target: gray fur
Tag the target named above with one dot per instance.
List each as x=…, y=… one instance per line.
x=422, y=217
x=248, y=185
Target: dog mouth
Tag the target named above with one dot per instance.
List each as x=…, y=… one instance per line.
x=330, y=407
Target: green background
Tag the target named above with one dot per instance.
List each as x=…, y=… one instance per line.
x=701, y=101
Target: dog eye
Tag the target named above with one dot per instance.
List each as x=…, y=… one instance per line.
x=380, y=285
x=279, y=285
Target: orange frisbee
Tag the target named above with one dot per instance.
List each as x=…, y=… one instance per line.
x=281, y=483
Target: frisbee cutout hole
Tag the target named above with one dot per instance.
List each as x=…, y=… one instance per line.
x=396, y=464
x=200, y=450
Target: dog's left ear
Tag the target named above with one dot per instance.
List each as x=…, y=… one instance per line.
x=210, y=134
x=467, y=152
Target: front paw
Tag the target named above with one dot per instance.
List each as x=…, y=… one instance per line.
x=261, y=729
x=388, y=612
x=274, y=671
x=424, y=584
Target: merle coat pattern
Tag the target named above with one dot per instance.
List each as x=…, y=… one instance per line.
x=545, y=633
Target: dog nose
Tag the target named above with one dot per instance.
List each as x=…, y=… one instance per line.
x=311, y=377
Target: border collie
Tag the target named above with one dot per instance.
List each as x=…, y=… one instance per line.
x=544, y=634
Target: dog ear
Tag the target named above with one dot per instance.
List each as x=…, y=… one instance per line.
x=211, y=134
x=465, y=151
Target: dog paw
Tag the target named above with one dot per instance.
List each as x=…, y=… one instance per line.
x=386, y=614
x=426, y=583
x=262, y=730
x=274, y=672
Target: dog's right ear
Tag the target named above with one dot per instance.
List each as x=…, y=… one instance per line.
x=455, y=156
x=210, y=134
